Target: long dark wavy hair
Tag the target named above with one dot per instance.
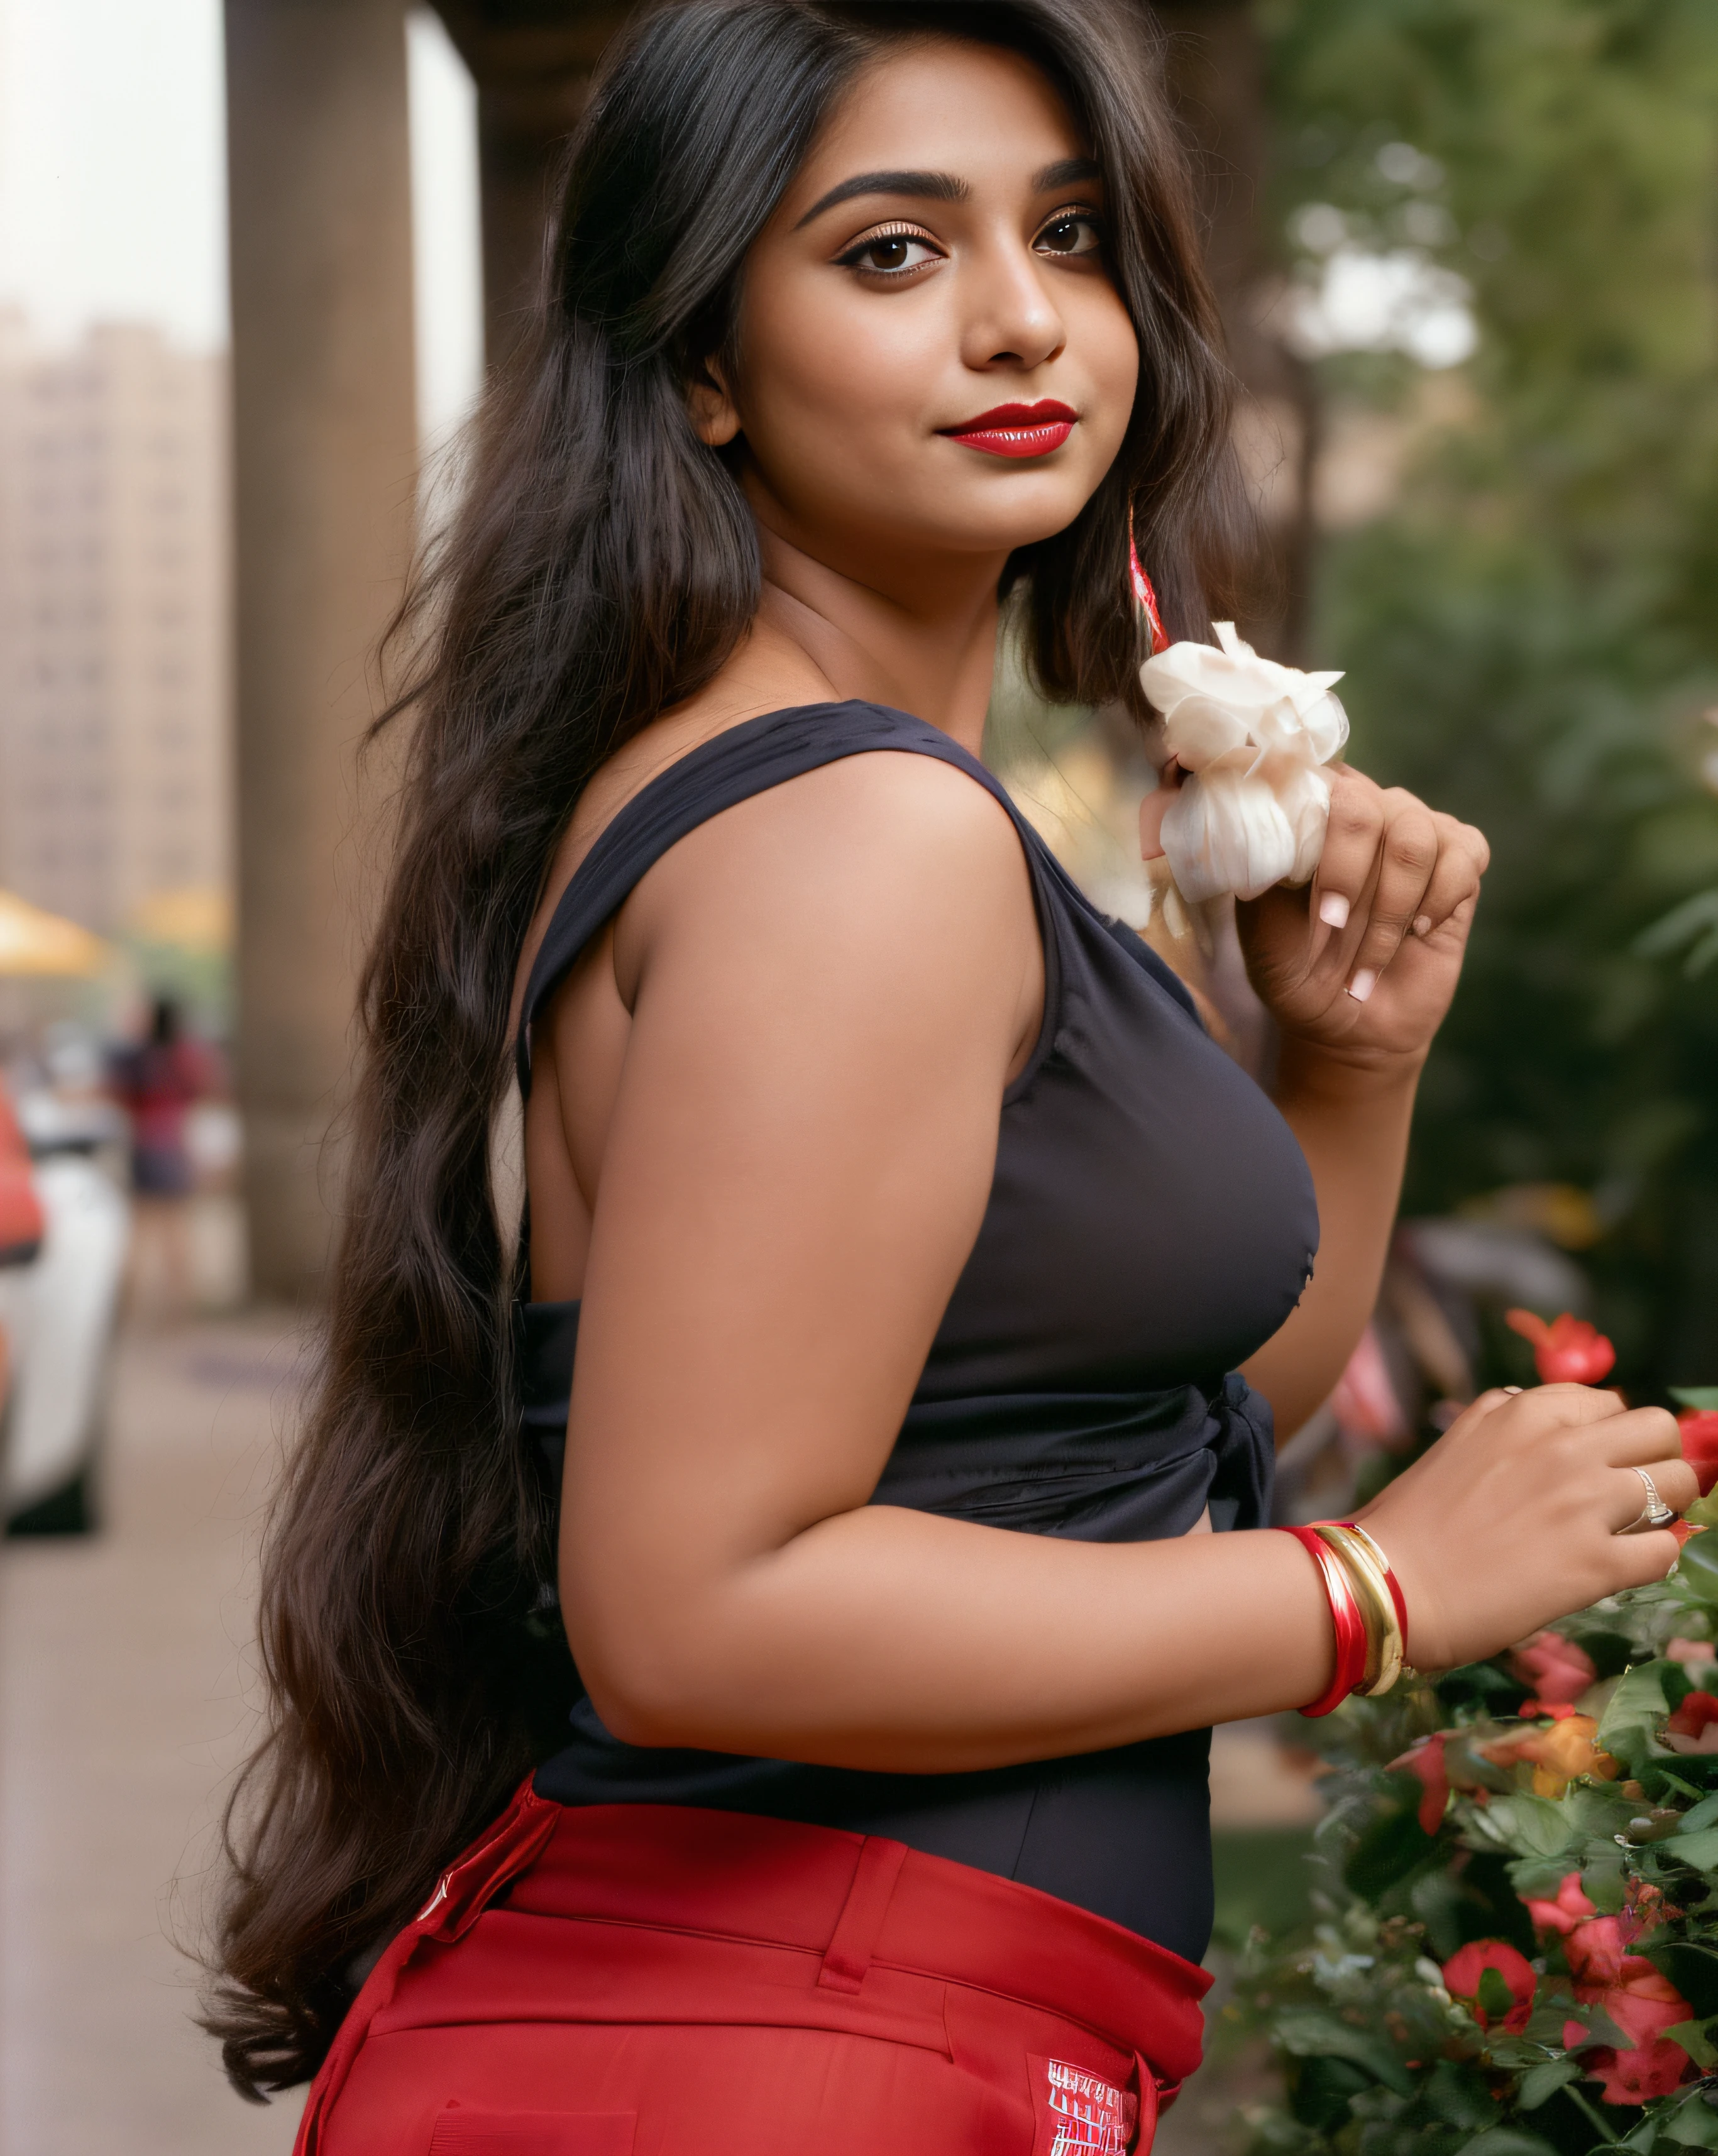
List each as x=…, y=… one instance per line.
x=601, y=565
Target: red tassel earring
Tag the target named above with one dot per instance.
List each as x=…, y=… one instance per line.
x=1145, y=594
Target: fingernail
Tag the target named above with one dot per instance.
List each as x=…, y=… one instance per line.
x=1333, y=910
x=1362, y=986
x=1422, y=924
x=1512, y=1389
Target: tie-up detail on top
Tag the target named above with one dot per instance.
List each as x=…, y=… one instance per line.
x=1151, y=1222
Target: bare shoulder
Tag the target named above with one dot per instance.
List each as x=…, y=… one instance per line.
x=858, y=852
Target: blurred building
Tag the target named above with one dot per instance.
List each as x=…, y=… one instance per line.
x=115, y=780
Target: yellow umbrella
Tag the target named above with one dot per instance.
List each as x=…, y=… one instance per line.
x=44, y=945
x=196, y=917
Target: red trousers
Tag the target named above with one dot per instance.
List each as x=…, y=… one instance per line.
x=652, y=1980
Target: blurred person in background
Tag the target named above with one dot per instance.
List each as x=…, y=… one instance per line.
x=158, y=1081
x=911, y=1283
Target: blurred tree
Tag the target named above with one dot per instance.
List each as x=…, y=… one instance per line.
x=1531, y=627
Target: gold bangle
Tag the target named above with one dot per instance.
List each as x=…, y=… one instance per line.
x=1353, y=1527
x=1359, y=1558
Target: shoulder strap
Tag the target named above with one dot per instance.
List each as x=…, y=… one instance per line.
x=747, y=759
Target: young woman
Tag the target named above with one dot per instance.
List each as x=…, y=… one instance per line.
x=909, y=1228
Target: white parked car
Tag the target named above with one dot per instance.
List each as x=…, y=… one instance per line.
x=60, y=1312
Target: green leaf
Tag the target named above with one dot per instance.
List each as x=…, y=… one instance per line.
x=1537, y=1878
x=1536, y=1826
x=1598, y=2025
x=1493, y=1994
x=1703, y=1398
x=1703, y=1813
x=1544, y=2080
x=1513, y=2052
x=1681, y=925
x=1694, y=2123
x=1507, y=2141
x=1693, y=1968
x=1697, y=1567
x=1628, y=1721
x=1306, y=2034
x=1389, y=1848
x=1700, y=1849
x=1604, y=1881
x=1694, y=2040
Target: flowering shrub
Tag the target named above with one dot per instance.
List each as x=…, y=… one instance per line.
x=1514, y=1949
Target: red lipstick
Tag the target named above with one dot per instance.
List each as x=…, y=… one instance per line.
x=1017, y=430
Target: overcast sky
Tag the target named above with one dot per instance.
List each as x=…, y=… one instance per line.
x=112, y=198
x=112, y=186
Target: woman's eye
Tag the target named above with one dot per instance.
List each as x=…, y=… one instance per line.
x=1070, y=233
x=889, y=253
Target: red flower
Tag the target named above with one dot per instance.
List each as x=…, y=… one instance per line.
x=1595, y=1951
x=1567, y=1351
x=1464, y=1972
x=1699, y=1443
x=1644, y=2004
x=1570, y=1908
x=1558, y=1671
x=1426, y=1764
x=1694, y=1726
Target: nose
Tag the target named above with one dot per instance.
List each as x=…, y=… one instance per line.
x=1012, y=320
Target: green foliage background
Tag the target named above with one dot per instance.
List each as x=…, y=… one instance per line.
x=1531, y=632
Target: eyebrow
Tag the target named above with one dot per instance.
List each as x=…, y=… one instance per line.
x=928, y=186
x=1069, y=173
x=945, y=186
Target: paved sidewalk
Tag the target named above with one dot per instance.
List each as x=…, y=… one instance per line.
x=123, y=1709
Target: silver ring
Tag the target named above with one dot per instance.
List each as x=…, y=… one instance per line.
x=1655, y=1513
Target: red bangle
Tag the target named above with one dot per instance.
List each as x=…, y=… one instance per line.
x=1346, y=1619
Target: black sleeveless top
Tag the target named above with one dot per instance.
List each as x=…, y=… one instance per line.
x=1151, y=1222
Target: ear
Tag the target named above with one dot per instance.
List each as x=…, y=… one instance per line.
x=715, y=420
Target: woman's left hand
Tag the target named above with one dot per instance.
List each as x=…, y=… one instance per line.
x=1364, y=961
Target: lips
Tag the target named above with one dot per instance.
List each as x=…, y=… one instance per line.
x=1017, y=430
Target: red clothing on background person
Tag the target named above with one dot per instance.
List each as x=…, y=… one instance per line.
x=157, y=1083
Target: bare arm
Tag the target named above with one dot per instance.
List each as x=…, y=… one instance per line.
x=828, y=989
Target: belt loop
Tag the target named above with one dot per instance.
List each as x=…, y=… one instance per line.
x=861, y=1919
x=1152, y=2100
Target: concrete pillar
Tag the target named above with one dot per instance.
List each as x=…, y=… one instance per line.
x=532, y=67
x=325, y=451
x=522, y=129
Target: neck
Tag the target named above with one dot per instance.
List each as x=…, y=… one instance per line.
x=930, y=654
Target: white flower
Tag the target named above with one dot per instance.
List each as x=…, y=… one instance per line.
x=1226, y=832
x=1252, y=737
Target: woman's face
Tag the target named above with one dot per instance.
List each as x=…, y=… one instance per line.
x=933, y=360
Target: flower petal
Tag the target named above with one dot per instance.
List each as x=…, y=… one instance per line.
x=1226, y=832
x=1200, y=729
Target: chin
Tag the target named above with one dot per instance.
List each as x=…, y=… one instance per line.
x=1021, y=528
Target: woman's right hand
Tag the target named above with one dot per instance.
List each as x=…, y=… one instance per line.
x=1512, y=1519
